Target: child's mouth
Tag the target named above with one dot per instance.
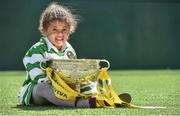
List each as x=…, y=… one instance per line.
x=59, y=40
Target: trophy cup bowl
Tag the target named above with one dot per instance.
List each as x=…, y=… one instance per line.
x=79, y=69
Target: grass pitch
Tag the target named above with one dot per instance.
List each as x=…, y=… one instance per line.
x=147, y=87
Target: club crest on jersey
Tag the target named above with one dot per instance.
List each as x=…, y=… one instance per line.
x=70, y=55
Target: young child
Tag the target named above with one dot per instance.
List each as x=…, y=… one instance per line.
x=57, y=23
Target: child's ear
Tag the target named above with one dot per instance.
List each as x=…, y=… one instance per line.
x=44, y=32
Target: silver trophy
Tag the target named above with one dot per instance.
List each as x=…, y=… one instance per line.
x=79, y=69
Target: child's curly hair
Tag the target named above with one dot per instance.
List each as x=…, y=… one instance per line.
x=56, y=11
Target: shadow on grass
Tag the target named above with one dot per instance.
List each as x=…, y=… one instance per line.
x=45, y=107
x=53, y=107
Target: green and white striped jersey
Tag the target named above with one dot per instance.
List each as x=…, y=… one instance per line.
x=38, y=54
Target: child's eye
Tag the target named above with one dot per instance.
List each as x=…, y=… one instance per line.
x=65, y=31
x=54, y=30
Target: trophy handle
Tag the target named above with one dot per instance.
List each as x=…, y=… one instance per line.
x=103, y=61
x=40, y=65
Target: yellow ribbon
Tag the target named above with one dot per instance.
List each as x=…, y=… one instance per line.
x=62, y=91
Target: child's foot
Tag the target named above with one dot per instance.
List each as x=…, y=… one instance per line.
x=126, y=97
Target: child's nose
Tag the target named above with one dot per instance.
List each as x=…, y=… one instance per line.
x=60, y=33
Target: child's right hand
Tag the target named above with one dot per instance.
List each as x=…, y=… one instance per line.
x=73, y=86
x=44, y=80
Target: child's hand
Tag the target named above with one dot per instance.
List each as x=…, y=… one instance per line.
x=73, y=86
x=44, y=80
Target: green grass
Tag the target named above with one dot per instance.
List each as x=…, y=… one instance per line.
x=147, y=87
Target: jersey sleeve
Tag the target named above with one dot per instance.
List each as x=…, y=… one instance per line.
x=33, y=61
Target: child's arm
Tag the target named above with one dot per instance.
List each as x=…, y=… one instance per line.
x=32, y=61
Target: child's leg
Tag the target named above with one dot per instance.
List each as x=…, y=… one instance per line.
x=43, y=94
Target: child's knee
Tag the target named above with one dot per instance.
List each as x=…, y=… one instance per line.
x=42, y=88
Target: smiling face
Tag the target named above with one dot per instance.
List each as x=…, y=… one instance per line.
x=58, y=33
